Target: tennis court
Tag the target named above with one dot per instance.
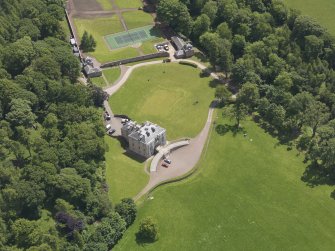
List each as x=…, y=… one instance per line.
x=131, y=37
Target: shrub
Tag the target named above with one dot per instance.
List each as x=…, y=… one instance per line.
x=188, y=63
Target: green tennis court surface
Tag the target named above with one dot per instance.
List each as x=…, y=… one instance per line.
x=131, y=37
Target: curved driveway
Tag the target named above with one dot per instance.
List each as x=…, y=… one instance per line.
x=183, y=159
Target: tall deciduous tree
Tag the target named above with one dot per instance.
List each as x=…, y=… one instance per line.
x=20, y=113
x=201, y=25
x=18, y=55
x=236, y=112
x=175, y=14
x=315, y=115
x=222, y=93
x=148, y=230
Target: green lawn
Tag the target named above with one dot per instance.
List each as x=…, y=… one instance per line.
x=112, y=74
x=99, y=81
x=322, y=10
x=125, y=176
x=247, y=195
x=100, y=27
x=105, y=4
x=128, y=3
x=171, y=95
x=148, y=47
x=137, y=18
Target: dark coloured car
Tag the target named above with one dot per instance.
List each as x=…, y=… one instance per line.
x=165, y=165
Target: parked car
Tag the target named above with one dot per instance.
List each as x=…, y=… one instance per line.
x=165, y=165
x=123, y=121
x=167, y=161
x=108, y=127
x=110, y=132
x=107, y=116
x=166, y=47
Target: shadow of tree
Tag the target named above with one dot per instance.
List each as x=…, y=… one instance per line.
x=199, y=55
x=223, y=129
x=316, y=175
x=141, y=241
x=213, y=83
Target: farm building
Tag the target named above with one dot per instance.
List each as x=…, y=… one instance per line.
x=92, y=72
x=183, y=49
x=143, y=138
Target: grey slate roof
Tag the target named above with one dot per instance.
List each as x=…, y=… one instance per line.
x=145, y=133
x=178, y=42
x=91, y=70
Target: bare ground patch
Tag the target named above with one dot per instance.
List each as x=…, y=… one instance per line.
x=87, y=5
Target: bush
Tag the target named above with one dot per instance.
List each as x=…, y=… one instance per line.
x=188, y=63
x=127, y=210
x=148, y=231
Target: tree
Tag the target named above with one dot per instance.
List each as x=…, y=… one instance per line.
x=87, y=43
x=316, y=114
x=222, y=93
x=238, y=46
x=50, y=26
x=148, y=230
x=237, y=112
x=176, y=15
x=127, y=210
x=18, y=55
x=27, y=28
x=201, y=25
x=283, y=81
x=110, y=230
x=248, y=95
x=20, y=113
x=279, y=12
x=224, y=31
x=48, y=66
x=218, y=50
x=210, y=9
x=305, y=26
x=313, y=47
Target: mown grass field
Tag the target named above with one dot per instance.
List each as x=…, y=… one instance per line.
x=100, y=27
x=247, y=195
x=125, y=176
x=137, y=18
x=321, y=10
x=112, y=74
x=123, y=4
x=148, y=47
x=171, y=95
x=99, y=81
x=105, y=4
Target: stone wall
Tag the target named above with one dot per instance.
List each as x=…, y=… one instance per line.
x=136, y=59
